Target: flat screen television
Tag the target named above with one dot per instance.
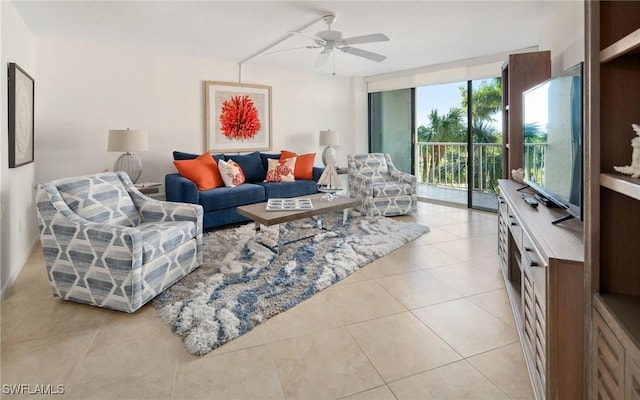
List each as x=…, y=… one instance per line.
x=553, y=139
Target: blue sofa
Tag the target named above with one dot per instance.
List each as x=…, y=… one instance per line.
x=220, y=204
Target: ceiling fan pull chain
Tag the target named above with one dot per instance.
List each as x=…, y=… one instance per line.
x=334, y=63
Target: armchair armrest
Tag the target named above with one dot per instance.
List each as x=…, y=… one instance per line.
x=401, y=176
x=181, y=189
x=360, y=185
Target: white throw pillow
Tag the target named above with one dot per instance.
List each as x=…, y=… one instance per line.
x=281, y=170
x=231, y=173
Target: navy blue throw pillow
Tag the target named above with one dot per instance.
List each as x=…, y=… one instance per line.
x=179, y=155
x=265, y=160
x=251, y=165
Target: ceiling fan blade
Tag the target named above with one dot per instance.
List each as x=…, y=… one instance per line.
x=323, y=57
x=375, y=37
x=363, y=53
x=293, y=48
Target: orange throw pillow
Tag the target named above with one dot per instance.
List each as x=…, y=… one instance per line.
x=281, y=170
x=304, y=163
x=202, y=170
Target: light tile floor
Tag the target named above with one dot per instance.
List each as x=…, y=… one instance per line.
x=430, y=320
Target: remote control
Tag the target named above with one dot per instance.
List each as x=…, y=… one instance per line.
x=530, y=201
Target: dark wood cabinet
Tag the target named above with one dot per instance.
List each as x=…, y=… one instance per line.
x=543, y=267
x=519, y=73
x=612, y=200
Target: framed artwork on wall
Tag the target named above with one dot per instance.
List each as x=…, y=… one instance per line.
x=237, y=117
x=21, y=121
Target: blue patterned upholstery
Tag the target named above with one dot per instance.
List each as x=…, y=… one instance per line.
x=108, y=245
x=384, y=190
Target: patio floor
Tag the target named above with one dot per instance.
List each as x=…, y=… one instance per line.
x=483, y=200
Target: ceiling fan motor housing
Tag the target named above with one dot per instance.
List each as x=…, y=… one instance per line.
x=330, y=36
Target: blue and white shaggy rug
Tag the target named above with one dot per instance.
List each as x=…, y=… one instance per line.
x=242, y=282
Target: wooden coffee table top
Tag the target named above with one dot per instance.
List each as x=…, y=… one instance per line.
x=258, y=212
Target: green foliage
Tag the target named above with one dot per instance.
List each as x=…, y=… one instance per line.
x=533, y=133
x=444, y=128
x=447, y=165
x=487, y=99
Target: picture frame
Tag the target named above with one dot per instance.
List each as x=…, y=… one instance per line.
x=237, y=117
x=21, y=117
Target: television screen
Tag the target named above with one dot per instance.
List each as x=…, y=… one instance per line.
x=553, y=139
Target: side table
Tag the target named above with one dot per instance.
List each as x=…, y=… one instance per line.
x=149, y=188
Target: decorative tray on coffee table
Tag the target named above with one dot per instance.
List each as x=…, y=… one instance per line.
x=289, y=204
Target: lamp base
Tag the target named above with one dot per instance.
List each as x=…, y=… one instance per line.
x=329, y=156
x=129, y=163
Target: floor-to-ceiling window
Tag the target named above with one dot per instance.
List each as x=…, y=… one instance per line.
x=454, y=161
x=441, y=162
x=486, y=141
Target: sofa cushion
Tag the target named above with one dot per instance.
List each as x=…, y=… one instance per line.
x=289, y=189
x=372, y=165
x=224, y=197
x=202, y=170
x=251, y=165
x=161, y=237
x=391, y=189
x=281, y=170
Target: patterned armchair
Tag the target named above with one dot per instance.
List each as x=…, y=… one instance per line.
x=108, y=245
x=384, y=190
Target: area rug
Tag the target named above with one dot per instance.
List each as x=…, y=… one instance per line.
x=244, y=281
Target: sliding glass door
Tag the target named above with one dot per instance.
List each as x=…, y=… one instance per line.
x=441, y=161
x=391, y=126
x=486, y=137
x=427, y=132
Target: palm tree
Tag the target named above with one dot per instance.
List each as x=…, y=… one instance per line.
x=442, y=128
x=487, y=99
x=450, y=127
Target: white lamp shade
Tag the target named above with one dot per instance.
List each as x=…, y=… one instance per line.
x=128, y=140
x=329, y=138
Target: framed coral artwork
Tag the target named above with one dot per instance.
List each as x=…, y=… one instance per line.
x=238, y=117
x=21, y=101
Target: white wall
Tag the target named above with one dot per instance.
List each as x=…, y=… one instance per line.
x=18, y=231
x=85, y=90
x=563, y=34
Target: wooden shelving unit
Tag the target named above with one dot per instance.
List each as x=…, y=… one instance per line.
x=622, y=184
x=612, y=213
x=519, y=73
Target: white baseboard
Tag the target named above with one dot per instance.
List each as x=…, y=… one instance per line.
x=5, y=289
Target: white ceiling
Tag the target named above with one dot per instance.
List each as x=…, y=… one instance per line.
x=422, y=33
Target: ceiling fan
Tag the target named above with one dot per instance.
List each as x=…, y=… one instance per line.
x=329, y=40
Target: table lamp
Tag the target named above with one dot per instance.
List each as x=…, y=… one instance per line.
x=329, y=138
x=128, y=141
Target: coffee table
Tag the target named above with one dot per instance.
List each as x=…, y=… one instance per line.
x=260, y=216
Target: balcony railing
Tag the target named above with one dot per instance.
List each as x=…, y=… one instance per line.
x=444, y=164
x=535, y=154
